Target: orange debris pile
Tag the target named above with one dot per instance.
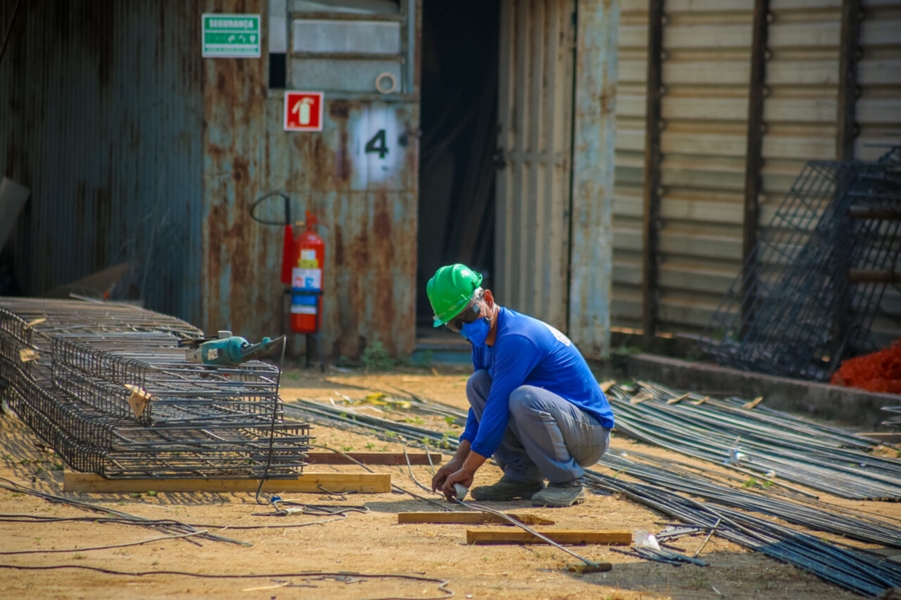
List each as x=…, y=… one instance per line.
x=876, y=372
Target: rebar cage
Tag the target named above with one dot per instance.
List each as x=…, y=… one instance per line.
x=811, y=288
x=108, y=388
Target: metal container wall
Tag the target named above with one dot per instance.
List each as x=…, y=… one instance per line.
x=100, y=116
x=367, y=205
x=878, y=114
x=535, y=133
x=628, y=200
x=706, y=72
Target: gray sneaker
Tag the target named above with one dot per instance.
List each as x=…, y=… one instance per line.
x=507, y=489
x=560, y=495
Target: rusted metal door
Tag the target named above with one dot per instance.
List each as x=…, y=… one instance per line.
x=535, y=157
x=358, y=174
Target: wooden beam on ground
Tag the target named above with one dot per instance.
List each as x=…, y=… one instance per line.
x=372, y=458
x=467, y=518
x=516, y=536
x=365, y=483
x=884, y=438
x=652, y=160
x=868, y=276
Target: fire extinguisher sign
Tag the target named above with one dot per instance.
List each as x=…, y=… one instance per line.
x=303, y=111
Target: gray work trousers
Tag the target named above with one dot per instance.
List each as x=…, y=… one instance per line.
x=547, y=436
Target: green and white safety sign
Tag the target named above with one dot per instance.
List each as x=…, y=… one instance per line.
x=231, y=36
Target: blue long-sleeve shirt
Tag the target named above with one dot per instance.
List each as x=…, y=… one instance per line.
x=527, y=351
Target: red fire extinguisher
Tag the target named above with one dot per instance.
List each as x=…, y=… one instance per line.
x=308, y=260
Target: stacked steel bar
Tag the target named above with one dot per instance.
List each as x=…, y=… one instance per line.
x=73, y=370
x=671, y=488
x=810, y=290
x=762, y=443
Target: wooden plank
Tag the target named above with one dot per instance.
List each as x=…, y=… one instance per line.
x=467, y=518
x=885, y=438
x=563, y=536
x=652, y=159
x=754, y=154
x=366, y=483
x=753, y=403
x=373, y=458
x=847, y=80
x=864, y=276
x=678, y=399
x=640, y=397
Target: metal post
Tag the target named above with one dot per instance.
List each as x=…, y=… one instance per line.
x=652, y=160
x=754, y=155
x=847, y=83
x=594, y=120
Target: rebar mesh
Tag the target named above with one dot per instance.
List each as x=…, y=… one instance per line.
x=812, y=286
x=71, y=368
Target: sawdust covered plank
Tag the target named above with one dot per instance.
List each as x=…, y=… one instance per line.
x=372, y=458
x=467, y=518
x=515, y=536
x=753, y=403
x=366, y=483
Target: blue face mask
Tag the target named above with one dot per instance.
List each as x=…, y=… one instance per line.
x=476, y=332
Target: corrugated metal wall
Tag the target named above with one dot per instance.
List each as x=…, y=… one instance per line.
x=706, y=70
x=626, y=303
x=100, y=116
x=879, y=117
x=368, y=205
x=705, y=74
x=704, y=110
x=535, y=134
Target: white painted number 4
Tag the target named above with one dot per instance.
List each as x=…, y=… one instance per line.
x=377, y=144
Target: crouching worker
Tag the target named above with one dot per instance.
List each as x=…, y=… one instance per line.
x=534, y=404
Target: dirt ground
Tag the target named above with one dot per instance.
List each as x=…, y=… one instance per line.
x=366, y=554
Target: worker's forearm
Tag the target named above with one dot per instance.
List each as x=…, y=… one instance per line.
x=463, y=451
x=473, y=462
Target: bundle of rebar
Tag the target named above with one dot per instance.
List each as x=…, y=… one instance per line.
x=811, y=288
x=107, y=386
x=761, y=443
x=706, y=499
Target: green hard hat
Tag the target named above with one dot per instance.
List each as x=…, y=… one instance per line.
x=450, y=291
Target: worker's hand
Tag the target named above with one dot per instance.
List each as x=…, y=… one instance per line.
x=460, y=476
x=443, y=473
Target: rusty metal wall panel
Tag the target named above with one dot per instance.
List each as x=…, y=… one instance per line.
x=367, y=204
x=593, y=177
x=100, y=117
x=535, y=127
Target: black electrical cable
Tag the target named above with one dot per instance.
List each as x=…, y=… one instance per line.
x=258, y=201
x=442, y=583
x=5, y=518
x=92, y=548
x=281, y=362
x=179, y=527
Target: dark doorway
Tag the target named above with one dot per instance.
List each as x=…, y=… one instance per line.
x=459, y=86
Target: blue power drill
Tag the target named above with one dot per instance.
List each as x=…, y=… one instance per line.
x=226, y=350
